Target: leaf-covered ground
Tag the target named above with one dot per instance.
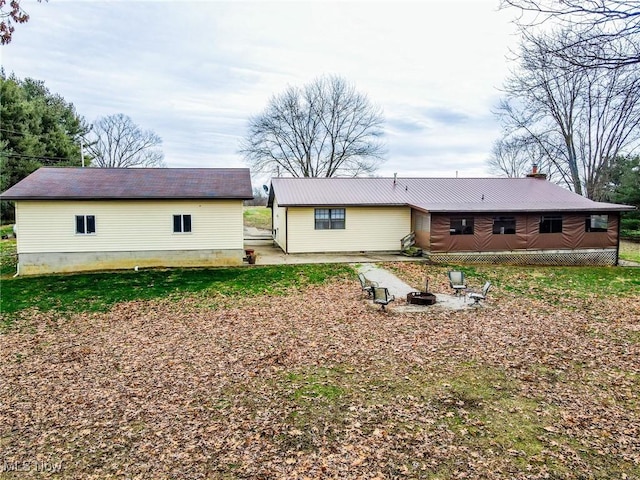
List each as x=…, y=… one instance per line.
x=542, y=382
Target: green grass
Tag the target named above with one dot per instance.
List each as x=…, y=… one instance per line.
x=476, y=399
x=315, y=385
x=481, y=405
x=8, y=257
x=257, y=217
x=630, y=250
x=577, y=282
x=6, y=229
x=99, y=291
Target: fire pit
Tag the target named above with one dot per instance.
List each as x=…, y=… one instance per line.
x=422, y=298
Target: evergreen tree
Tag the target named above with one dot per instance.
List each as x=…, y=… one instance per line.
x=38, y=128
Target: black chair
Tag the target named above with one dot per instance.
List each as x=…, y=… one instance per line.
x=381, y=296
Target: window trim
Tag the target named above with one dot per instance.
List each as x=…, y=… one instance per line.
x=552, y=219
x=85, y=224
x=329, y=220
x=182, y=217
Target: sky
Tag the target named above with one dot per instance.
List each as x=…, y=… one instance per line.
x=195, y=72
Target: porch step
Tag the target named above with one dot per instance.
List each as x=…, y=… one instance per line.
x=412, y=251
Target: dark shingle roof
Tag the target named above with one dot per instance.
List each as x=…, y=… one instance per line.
x=436, y=194
x=51, y=183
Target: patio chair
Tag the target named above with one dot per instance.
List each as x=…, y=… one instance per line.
x=476, y=297
x=366, y=285
x=381, y=296
x=456, y=280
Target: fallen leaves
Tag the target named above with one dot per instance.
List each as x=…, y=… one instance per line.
x=318, y=385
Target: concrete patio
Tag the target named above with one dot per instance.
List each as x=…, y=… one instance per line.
x=269, y=254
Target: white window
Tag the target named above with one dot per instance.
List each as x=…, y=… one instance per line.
x=85, y=224
x=181, y=223
x=329, y=218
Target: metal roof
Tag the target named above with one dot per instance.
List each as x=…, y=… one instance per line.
x=64, y=183
x=435, y=194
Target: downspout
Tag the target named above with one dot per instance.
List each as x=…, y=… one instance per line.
x=15, y=234
x=286, y=229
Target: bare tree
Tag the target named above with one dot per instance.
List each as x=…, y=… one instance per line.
x=10, y=15
x=117, y=142
x=580, y=118
x=513, y=156
x=508, y=159
x=325, y=129
x=259, y=199
x=598, y=33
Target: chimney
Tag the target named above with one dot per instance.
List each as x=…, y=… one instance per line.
x=534, y=173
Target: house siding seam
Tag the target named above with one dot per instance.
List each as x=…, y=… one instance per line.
x=366, y=229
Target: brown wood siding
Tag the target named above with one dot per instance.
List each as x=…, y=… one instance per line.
x=527, y=234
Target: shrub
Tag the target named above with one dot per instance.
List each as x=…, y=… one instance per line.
x=630, y=224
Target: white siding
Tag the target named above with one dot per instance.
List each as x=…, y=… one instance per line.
x=366, y=229
x=140, y=225
x=280, y=225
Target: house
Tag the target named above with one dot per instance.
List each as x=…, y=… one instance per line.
x=478, y=220
x=75, y=219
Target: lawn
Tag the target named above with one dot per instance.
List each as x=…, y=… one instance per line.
x=97, y=292
x=6, y=230
x=293, y=374
x=630, y=250
x=258, y=217
x=8, y=257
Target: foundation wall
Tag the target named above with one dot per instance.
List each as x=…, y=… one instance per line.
x=56, y=262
